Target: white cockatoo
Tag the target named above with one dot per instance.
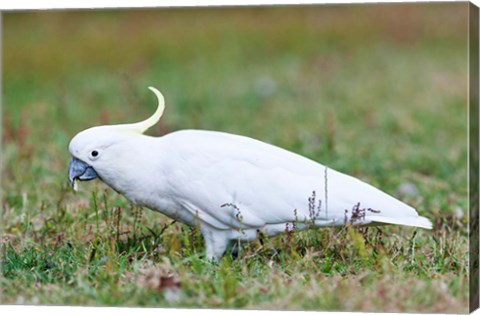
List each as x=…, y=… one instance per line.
x=233, y=187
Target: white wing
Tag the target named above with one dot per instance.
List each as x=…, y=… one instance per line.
x=231, y=181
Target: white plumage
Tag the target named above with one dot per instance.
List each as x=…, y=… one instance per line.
x=231, y=186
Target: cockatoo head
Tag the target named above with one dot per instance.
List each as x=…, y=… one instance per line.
x=97, y=150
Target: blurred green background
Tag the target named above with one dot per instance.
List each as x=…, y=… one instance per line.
x=376, y=91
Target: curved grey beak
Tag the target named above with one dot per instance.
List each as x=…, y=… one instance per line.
x=80, y=170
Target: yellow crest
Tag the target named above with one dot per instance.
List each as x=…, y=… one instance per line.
x=141, y=127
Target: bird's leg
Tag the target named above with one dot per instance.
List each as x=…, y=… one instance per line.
x=216, y=242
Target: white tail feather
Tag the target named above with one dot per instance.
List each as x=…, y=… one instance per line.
x=408, y=221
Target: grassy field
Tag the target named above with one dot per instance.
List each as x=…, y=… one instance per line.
x=377, y=91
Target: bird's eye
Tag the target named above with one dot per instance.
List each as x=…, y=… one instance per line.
x=94, y=153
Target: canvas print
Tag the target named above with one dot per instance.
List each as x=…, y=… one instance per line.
x=301, y=157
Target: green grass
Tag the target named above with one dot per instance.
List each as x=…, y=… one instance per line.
x=378, y=92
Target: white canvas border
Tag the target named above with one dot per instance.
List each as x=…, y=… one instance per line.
x=85, y=4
